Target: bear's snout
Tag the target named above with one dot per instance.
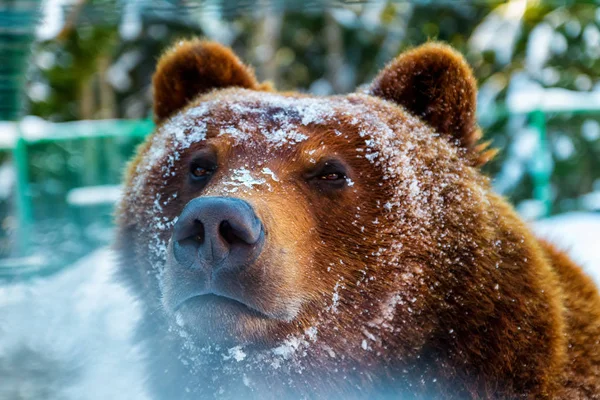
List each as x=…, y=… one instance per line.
x=214, y=233
x=217, y=265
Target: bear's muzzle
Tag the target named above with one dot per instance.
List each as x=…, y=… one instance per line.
x=213, y=241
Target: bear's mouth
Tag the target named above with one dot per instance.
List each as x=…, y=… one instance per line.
x=216, y=319
x=219, y=302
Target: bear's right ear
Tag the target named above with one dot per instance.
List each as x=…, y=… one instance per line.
x=435, y=83
x=194, y=67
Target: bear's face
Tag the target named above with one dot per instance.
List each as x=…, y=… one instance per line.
x=251, y=216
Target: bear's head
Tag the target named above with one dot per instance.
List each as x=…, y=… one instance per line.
x=355, y=228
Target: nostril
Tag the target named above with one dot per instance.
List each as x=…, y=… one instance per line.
x=200, y=235
x=191, y=233
x=227, y=233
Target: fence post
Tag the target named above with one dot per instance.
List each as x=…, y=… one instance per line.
x=24, y=209
x=542, y=166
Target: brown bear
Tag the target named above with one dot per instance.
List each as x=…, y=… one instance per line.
x=291, y=246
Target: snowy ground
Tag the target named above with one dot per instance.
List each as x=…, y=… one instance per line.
x=579, y=234
x=69, y=336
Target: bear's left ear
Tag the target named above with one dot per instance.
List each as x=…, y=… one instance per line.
x=435, y=83
x=193, y=67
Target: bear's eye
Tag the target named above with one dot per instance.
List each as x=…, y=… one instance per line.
x=332, y=176
x=329, y=175
x=199, y=172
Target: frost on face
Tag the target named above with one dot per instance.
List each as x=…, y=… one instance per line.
x=270, y=173
x=280, y=137
x=387, y=311
x=166, y=147
x=335, y=298
x=242, y=179
x=165, y=150
x=174, y=136
x=288, y=115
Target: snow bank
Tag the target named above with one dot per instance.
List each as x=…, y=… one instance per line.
x=7, y=180
x=577, y=233
x=70, y=336
x=552, y=100
x=94, y=195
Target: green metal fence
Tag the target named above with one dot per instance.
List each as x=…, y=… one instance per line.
x=111, y=142
x=550, y=104
x=18, y=19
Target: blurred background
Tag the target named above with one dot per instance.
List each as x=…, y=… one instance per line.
x=76, y=98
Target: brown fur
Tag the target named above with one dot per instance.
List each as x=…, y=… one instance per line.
x=435, y=83
x=414, y=281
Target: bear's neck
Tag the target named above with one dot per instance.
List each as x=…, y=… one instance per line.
x=503, y=329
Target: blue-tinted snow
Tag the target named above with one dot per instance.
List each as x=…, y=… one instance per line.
x=69, y=336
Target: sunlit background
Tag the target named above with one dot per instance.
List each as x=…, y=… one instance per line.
x=75, y=101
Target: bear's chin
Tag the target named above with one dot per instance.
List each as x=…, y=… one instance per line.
x=213, y=319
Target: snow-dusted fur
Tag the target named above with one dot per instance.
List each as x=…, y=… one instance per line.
x=411, y=278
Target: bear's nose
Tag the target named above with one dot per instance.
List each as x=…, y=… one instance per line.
x=216, y=232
